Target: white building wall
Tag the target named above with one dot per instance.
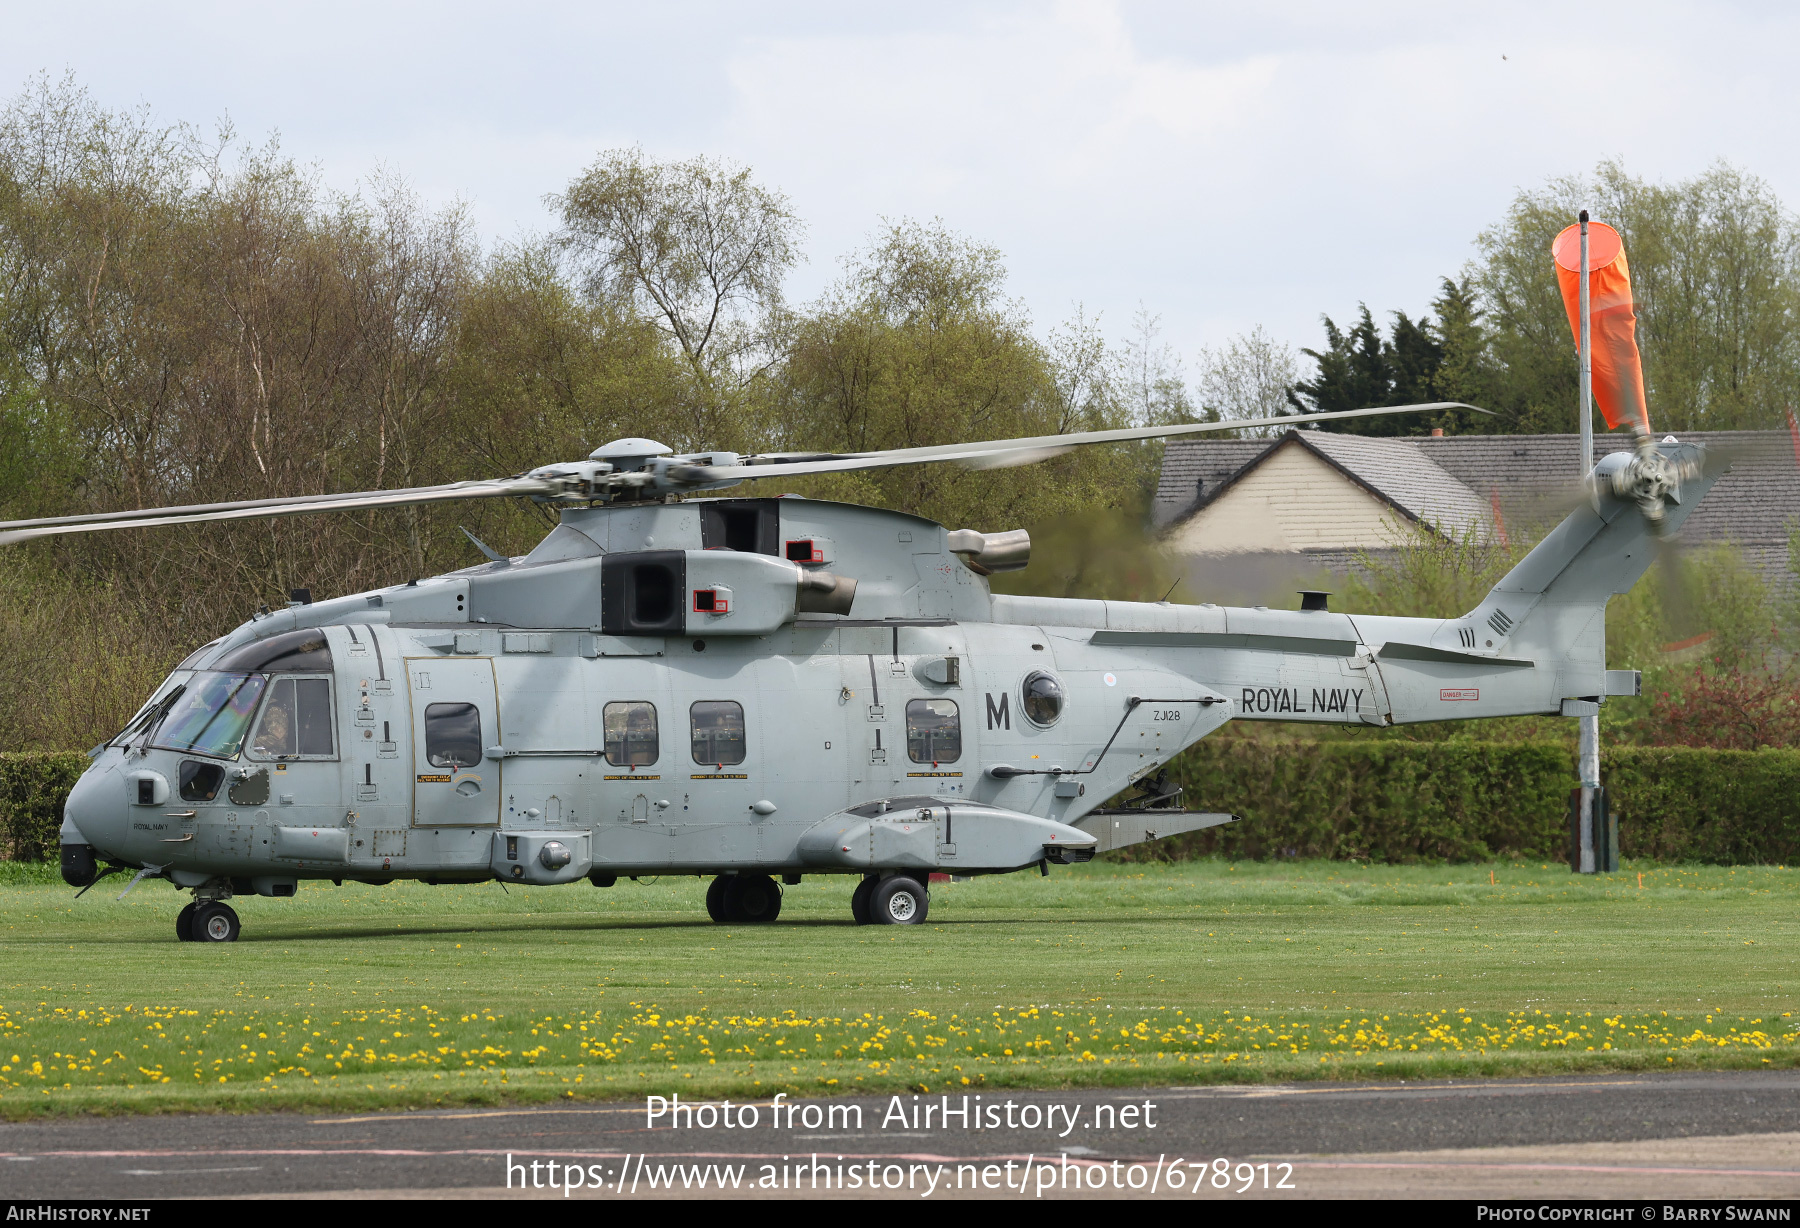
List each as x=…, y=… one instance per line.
x=1291, y=502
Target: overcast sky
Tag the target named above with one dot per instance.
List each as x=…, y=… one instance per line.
x=1224, y=164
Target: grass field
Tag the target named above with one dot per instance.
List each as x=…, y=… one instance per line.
x=360, y=996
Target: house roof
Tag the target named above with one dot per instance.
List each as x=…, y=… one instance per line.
x=1409, y=477
x=1454, y=480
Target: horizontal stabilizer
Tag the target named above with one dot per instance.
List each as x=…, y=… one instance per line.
x=1395, y=651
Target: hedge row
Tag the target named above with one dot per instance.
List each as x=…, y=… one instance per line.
x=33, y=788
x=1474, y=801
x=1376, y=801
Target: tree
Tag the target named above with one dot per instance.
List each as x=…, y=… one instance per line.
x=701, y=249
x=1354, y=370
x=1715, y=265
x=1465, y=370
x=542, y=372
x=1157, y=392
x=1248, y=377
x=918, y=344
x=1418, y=362
x=183, y=322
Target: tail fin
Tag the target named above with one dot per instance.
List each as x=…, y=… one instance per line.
x=1553, y=603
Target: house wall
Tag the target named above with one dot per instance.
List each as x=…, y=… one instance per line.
x=1292, y=502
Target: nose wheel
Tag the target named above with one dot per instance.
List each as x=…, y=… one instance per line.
x=210, y=921
x=898, y=900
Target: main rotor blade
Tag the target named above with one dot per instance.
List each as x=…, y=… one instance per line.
x=254, y=509
x=994, y=453
x=990, y=454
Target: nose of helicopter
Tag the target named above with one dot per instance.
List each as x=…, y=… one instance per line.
x=96, y=808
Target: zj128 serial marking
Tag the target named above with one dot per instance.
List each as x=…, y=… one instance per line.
x=1289, y=699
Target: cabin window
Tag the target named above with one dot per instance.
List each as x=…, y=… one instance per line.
x=631, y=739
x=933, y=731
x=296, y=721
x=200, y=781
x=1042, y=697
x=452, y=735
x=718, y=731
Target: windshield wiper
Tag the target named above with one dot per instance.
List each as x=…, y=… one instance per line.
x=155, y=718
x=194, y=743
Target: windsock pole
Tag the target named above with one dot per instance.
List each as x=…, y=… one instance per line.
x=1590, y=725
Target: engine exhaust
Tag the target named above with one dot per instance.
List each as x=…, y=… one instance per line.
x=986, y=553
x=823, y=593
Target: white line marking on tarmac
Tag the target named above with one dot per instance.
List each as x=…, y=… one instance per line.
x=1555, y=1168
x=1510, y=1089
x=347, y=1121
x=351, y=1121
x=183, y=1172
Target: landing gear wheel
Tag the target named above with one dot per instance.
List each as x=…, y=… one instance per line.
x=215, y=922
x=899, y=901
x=716, y=906
x=859, y=902
x=754, y=898
x=184, y=923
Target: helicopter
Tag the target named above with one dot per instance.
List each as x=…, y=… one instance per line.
x=761, y=688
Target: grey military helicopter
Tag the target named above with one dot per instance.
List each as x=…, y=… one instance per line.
x=857, y=701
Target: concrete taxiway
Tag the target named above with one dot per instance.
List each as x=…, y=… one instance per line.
x=1734, y=1134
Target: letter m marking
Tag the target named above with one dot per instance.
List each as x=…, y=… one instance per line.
x=997, y=713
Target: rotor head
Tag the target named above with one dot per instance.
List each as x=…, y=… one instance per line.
x=1648, y=477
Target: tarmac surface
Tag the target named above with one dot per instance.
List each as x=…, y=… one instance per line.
x=1733, y=1134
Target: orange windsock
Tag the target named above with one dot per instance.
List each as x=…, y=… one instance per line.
x=1618, y=370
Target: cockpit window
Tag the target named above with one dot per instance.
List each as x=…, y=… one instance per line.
x=200, y=781
x=155, y=709
x=193, y=658
x=296, y=721
x=296, y=652
x=209, y=716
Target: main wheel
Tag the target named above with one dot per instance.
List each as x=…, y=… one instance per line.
x=717, y=906
x=859, y=902
x=754, y=898
x=184, y=923
x=899, y=901
x=215, y=922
